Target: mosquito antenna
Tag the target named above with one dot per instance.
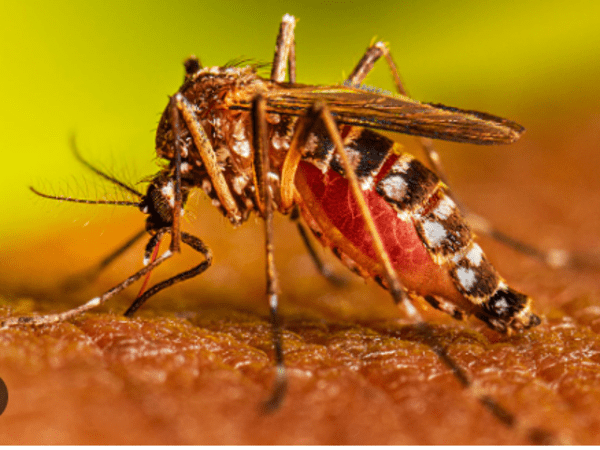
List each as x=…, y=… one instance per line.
x=83, y=200
x=99, y=172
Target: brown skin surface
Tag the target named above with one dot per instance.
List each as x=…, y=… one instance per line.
x=195, y=364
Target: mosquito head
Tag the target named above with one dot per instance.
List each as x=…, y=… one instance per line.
x=159, y=202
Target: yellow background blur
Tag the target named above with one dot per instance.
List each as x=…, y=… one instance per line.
x=103, y=70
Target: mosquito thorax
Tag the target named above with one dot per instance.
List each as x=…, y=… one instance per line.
x=211, y=91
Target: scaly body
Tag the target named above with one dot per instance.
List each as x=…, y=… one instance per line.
x=429, y=243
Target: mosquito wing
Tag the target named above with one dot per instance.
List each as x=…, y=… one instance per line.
x=353, y=106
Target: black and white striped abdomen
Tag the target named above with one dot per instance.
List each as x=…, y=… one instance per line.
x=417, y=194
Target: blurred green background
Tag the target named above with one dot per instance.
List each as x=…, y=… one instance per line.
x=103, y=70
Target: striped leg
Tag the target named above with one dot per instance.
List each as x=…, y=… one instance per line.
x=285, y=51
x=264, y=194
x=285, y=55
x=418, y=195
x=556, y=258
x=191, y=241
x=450, y=242
x=188, y=239
x=430, y=337
x=397, y=291
x=362, y=69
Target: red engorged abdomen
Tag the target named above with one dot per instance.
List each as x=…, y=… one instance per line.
x=329, y=201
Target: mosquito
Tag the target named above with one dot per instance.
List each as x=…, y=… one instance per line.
x=257, y=145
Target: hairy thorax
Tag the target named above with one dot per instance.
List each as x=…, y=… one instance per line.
x=213, y=92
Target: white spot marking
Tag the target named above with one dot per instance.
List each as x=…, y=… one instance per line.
x=411, y=311
x=475, y=255
x=273, y=177
x=405, y=216
x=168, y=192
x=402, y=165
x=288, y=18
x=354, y=157
x=238, y=130
x=185, y=167
x=239, y=183
x=501, y=306
x=466, y=277
x=367, y=183
x=435, y=232
x=394, y=186
x=444, y=208
x=273, y=301
x=184, y=150
x=93, y=302
x=167, y=254
x=278, y=142
x=242, y=148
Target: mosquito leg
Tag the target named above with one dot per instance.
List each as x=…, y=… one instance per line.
x=175, y=120
x=209, y=158
x=398, y=294
x=556, y=258
x=292, y=62
x=77, y=281
x=285, y=51
x=93, y=303
x=323, y=269
x=194, y=243
x=535, y=435
x=360, y=72
x=151, y=246
x=302, y=131
x=395, y=287
x=553, y=257
x=447, y=307
x=262, y=171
